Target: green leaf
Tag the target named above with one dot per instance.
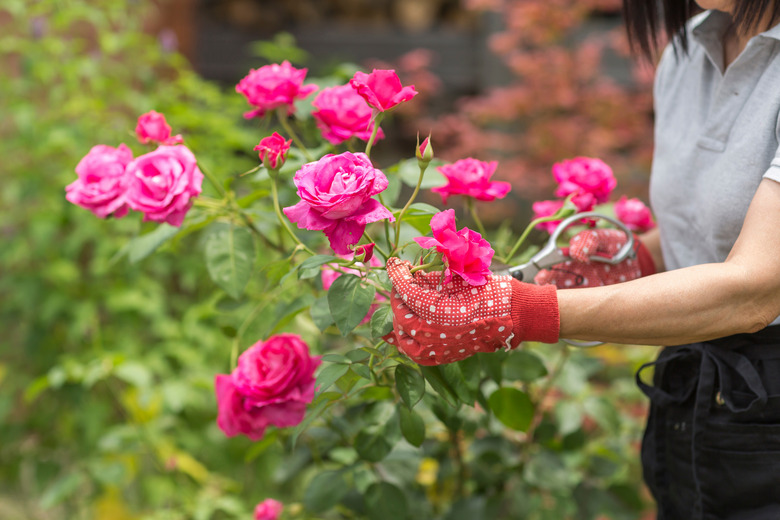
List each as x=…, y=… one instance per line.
x=381, y=322
x=349, y=301
x=412, y=426
x=435, y=378
x=259, y=447
x=421, y=207
x=512, y=407
x=336, y=358
x=493, y=364
x=320, y=313
x=409, y=171
x=134, y=373
x=384, y=501
x=230, y=255
x=361, y=370
x=548, y=471
x=62, y=489
x=454, y=377
x=569, y=415
x=410, y=385
x=312, y=266
x=325, y=491
x=142, y=246
x=329, y=375
x=372, y=445
x=522, y=365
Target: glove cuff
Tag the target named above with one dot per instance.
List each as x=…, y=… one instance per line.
x=535, y=314
x=645, y=259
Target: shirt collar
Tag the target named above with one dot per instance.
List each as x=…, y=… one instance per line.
x=710, y=26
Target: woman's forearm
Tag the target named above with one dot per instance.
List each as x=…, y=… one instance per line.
x=671, y=308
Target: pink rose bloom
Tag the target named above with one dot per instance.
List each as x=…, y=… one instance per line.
x=471, y=178
x=634, y=214
x=102, y=181
x=152, y=127
x=268, y=509
x=381, y=89
x=336, y=198
x=545, y=208
x=273, y=86
x=342, y=113
x=465, y=252
x=162, y=184
x=272, y=384
x=591, y=179
x=273, y=150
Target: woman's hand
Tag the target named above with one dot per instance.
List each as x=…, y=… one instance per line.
x=435, y=324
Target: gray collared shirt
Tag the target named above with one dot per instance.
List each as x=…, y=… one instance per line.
x=717, y=135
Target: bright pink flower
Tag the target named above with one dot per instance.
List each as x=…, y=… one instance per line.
x=273, y=150
x=342, y=113
x=268, y=509
x=381, y=89
x=471, y=178
x=102, y=181
x=163, y=183
x=273, y=86
x=545, y=208
x=152, y=127
x=634, y=214
x=465, y=252
x=336, y=198
x=591, y=179
x=272, y=384
x=365, y=250
x=424, y=152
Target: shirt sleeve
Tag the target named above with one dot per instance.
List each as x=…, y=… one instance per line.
x=773, y=172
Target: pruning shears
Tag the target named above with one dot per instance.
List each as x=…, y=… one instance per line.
x=551, y=254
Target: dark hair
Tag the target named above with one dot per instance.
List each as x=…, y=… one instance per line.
x=644, y=18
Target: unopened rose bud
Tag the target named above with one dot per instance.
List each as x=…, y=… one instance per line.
x=364, y=252
x=424, y=151
x=273, y=150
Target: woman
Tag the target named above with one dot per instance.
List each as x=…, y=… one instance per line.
x=712, y=445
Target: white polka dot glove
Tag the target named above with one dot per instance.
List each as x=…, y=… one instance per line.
x=435, y=324
x=581, y=272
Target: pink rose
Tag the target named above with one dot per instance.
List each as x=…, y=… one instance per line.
x=273, y=150
x=274, y=86
x=471, y=178
x=545, y=208
x=342, y=113
x=272, y=384
x=591, y=179
x=102, y=181
x=163, y=183
x=424, y=152
x=634, y=214
x=381, y=89
x=465, y=252
x=366, y=251
x=336, y=198
x=152, y=127
x=268, y=509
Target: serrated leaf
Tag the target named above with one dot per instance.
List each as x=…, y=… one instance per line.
x=512, y=407
x=349, y=301
x=412, y=426
x=361, y=370
x=381, y=322
x=230, y=255
x=329, y=375
x=435, y=378
x=410, y=385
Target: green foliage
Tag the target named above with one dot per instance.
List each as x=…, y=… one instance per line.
x=115, y=329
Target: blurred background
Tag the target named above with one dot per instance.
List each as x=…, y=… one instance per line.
x=107, y=364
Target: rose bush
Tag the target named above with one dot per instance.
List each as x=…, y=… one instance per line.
x=362, y=416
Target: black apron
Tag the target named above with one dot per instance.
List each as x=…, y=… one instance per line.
x=711, y=449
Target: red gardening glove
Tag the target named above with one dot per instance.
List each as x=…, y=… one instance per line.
x=581, y=272
x=435, y=324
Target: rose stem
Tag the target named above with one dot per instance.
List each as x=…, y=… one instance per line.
x=282, y=114
x=406, y=207
x=470, y=207
x=278, y=211
x=377, y=119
